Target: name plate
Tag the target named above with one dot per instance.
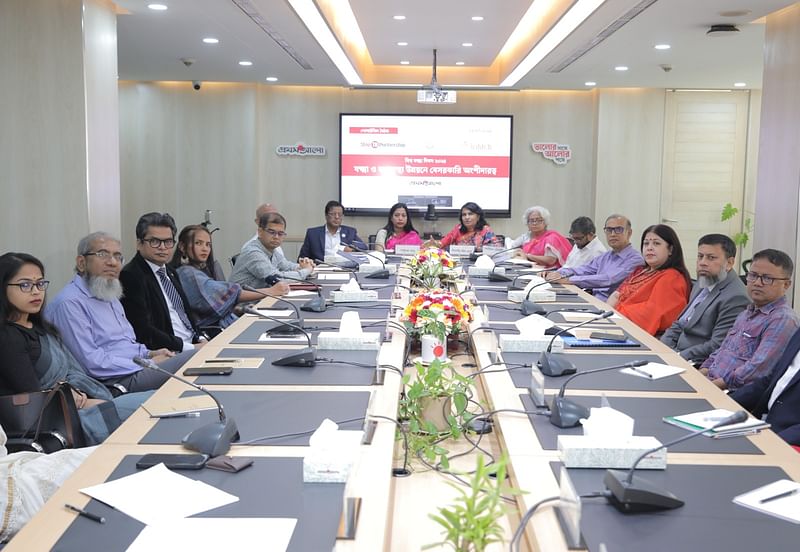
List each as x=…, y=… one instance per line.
x=462, y=250
x=406, y=250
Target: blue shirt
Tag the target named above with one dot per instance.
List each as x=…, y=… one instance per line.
x=96, y=332
x=604, y=273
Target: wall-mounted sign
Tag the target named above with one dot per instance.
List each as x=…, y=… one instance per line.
x=557, y=153
x=301, y=150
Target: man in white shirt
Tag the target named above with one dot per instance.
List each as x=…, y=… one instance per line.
x=587, y=245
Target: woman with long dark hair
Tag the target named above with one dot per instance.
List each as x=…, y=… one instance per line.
x=472, y=228
x=398, y=230
x=33, y=358
x=210, y=297
x=655, y=294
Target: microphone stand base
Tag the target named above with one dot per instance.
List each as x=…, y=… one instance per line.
x=565, y=413
x=529, y=307
x=555, y=365
x=212, y=439
x=638, y=495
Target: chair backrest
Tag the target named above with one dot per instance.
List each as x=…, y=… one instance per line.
x=233, y=259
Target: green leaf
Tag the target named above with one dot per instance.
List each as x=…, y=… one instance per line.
x=728, y=212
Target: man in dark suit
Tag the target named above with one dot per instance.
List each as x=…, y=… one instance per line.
x=716, y=300
x=777, y=394
x=331, y=237
x=154, y=301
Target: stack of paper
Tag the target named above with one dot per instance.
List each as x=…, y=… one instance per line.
x=780, y=499
x=706, y=419
x=654, y=371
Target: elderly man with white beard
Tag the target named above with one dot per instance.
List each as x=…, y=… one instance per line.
x=92, y=323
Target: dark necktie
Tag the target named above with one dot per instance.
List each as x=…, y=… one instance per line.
x=173, y=296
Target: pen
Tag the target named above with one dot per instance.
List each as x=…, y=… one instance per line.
x=642, y=372
x=84, y=513
x=176, y=415
x=779, y=495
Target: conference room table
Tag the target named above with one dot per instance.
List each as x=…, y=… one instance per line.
x=394, y=513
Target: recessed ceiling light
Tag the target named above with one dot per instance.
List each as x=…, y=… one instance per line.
x=157, y=7
x=459, y=63
x=405, y=62
x=211, y=40
x=740, y=84
x=621, y=68
x=402, y=43
x=477, y=18
x=590, y=83
x=272, y=79
x=398, y=17
x=245, y=63
x=734, y=13
x=466, y=44
x=662, y=46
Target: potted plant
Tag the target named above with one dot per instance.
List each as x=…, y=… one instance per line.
x=434, y=407
x=439, y=314
x=741, y=239
x=473, y=522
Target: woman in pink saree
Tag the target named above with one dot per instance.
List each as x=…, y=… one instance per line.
x=398, y=230
x=544, y=247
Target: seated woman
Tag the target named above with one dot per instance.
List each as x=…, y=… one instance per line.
x=33, y=358
x=210, y=297
x=655, y=294
x=398, y=230
x=29, y=479
x=471, y=230
x=544, y=247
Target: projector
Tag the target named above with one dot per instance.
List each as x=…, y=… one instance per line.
x=436, y=96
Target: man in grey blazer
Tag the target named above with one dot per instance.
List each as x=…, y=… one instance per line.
x=716, y=300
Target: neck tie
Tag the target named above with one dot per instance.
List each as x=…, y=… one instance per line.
x=687, y=316
x=173, y=296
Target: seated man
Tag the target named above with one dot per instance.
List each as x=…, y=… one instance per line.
x=775, y=397
x=604, y=273
x=587, y=245
x=761, y=331
x=92, y=323
x=153, y=298
x=331, y=237
x=716, y=300
x=261, y=262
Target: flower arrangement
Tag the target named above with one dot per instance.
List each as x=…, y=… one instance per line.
x=430, y=266
x=437, y=312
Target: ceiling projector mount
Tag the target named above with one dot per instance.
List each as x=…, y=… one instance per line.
x=433, y=93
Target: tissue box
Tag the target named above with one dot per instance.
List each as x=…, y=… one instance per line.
x=370, y=268
x=325, y=466
x=484, y=272
x=349, y=342
x=584, y=451
x=537, y=295
x=340, y=296
x=529, y=344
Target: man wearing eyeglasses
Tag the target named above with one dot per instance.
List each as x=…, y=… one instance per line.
x=92, y=322
x=761, y=331
x=330, y=238
x=605, y=272
x=262, y=263
x=153, y=298
x=587, y=244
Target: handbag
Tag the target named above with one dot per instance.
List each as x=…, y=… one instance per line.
x=42, y=421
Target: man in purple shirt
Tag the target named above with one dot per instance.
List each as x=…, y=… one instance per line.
x=603, y=274
x=92, y=323
x=761, y=331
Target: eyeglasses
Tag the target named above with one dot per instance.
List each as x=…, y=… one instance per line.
x=766, y=280
x=535, y=221
x=275, y=233
x=334, y=215
x=26, y=286
x=156, y=243
x=577, y=237
x=614, y=229
x=104, y=255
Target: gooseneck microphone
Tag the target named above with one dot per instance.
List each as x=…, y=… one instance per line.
x=630, y=494
x=213, y=439
x=382, y=274
x=493, y=275
x=566, y=413
x=276, y=297
x=528, y=307
x=303, y=358
x=316, y=304
x=553, y=364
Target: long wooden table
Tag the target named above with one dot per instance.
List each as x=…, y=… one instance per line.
x=395, y=511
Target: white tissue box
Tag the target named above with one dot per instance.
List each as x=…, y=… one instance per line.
x=537, y=295
x=326, y=467
x=586, y=451
x=349, y=342
x=484, y=272
x=370, y=268
x=340, y=296
x=518, y=343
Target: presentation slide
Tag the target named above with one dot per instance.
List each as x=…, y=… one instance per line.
x=425, y=159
